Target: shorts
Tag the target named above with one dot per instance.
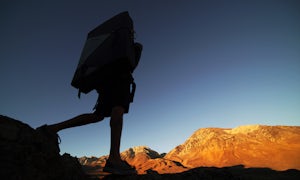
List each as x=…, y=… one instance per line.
x=112, y=93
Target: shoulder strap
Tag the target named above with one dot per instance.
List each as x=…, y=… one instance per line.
x=79, y=93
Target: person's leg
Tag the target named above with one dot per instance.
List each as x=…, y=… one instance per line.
x=115, y=164
x=80, y=120
x=116, y=124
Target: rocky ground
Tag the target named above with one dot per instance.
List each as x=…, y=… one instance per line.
x=26, y=154
x=212, y=173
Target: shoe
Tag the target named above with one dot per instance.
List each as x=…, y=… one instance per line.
x=49, y=138
x=121, y=169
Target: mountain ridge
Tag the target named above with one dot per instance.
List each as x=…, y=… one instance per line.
x=250, y=145
x=257, y=146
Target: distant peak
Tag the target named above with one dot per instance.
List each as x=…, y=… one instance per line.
x=132, y=152
x=243, y=129
x=138, y=149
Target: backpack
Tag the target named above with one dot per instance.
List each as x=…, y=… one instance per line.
x=109, y=42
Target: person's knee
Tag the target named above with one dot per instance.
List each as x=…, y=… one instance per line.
x=96, y=117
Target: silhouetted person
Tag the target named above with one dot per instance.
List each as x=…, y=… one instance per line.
x=115, y=95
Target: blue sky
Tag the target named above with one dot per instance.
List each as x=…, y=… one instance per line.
x=205, y=64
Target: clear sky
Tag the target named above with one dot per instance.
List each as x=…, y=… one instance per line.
x=205, y=64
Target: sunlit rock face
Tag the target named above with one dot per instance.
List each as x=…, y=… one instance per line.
x=143, y=158
x=276, y=147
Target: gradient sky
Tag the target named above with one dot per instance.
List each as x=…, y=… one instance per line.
x=205, y=64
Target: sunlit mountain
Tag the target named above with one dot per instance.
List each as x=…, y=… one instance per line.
x=255, y=146
x=275, y=147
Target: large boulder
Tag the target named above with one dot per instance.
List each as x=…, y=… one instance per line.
x=26, y=153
